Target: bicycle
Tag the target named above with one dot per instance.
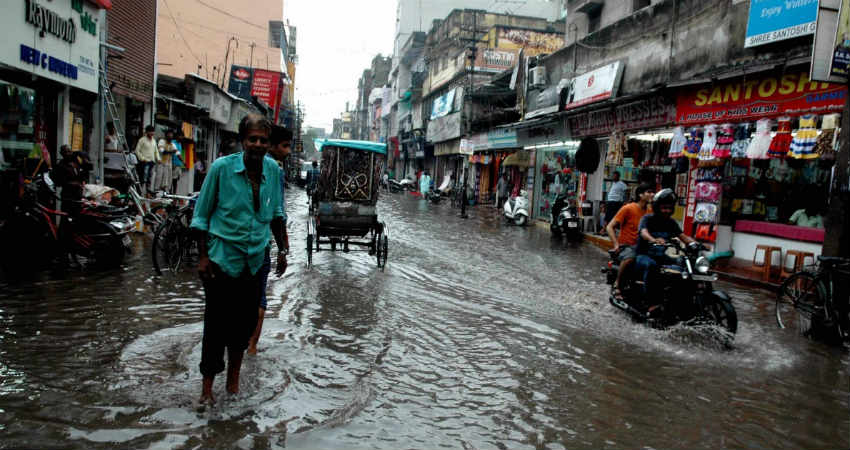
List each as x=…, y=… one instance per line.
x=173, y=242
x=810, y=300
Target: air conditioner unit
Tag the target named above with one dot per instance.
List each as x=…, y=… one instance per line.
x=538, y=76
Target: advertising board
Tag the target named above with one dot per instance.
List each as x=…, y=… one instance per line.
x=777, y=20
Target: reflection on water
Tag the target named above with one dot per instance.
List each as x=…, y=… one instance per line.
x=477, y=335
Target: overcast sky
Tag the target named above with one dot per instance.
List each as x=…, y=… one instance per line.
x=336, y=40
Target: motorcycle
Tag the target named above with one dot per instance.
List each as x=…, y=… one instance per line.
x=516, y=209
x=434, y=196
x=405, y=184
x=36, y=233
x=564, y=219
x=682, y=292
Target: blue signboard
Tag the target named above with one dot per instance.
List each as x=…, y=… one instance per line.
x=777, y=20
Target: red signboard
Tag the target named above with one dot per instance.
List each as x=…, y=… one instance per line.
x=267, y=87
x=750, y=98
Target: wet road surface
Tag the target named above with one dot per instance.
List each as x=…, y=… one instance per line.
x=477, y=335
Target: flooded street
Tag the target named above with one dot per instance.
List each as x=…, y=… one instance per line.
x=478, y=335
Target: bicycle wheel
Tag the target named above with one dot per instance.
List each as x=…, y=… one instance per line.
x=799, y=302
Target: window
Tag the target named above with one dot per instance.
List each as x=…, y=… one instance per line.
x=639, y=4
x=593, y=20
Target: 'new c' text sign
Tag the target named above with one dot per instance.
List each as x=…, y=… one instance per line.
x=777, y=20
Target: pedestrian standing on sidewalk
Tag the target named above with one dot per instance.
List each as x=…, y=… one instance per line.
x=147, y=155
x=616, y=197
x=501, y=190
x=165, y=168
x=238, y=206
x=281, y=144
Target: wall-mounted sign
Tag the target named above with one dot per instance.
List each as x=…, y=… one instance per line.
x=240, y=82
x=649, y=112
x=266, y=85
x=594, y=86
x=58, y=40
x=443, y=105
x=495, y=60
x=757, y=97
x=444, y=128
x=534, y=42
x=777, y=20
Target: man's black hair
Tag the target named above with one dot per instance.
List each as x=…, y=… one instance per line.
x=253, y=122
x=643, y=187
x=280, y=135
x=149, y=128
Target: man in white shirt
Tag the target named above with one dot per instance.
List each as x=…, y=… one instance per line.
x=617, y=194
x=148, y=155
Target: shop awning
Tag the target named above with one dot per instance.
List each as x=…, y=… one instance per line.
x=182, y=102
x=521, y=159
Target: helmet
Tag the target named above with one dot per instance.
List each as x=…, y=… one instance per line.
x=663, y=197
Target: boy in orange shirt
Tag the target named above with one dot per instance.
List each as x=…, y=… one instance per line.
x=628, y=219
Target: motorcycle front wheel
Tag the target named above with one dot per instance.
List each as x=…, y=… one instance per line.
x=724, y=314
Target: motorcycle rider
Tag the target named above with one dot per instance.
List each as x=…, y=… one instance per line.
x=657, y=228
x=627, y=219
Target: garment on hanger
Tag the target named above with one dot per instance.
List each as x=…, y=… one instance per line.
x=760, y=143
x=781, y=143
x=824, y=146
x=742, y=141
x=725, y=138
x=693, y=143
x=709, y=140
x=803, y=145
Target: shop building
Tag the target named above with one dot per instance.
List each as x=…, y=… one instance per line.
x=48, y=84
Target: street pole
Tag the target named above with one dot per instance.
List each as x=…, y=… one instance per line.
x=837, y=238
x=473, y=49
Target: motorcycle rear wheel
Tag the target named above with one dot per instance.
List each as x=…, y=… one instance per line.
x=520, y=220
x=555, y=230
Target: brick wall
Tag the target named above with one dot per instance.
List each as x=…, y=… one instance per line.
x=132, y=25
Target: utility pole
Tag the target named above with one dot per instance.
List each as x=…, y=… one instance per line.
x=837, y=238
x=472, y=52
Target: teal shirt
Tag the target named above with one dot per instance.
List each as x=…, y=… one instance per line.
x=238, y=235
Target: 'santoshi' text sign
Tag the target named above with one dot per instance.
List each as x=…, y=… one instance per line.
x=777, y=20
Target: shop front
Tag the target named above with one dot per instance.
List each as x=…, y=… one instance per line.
x=762, y=150
x=489, y=152
x=632, y=135
x=444, y=132
x=48, y=86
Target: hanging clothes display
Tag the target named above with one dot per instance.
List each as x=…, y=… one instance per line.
x=616, y=149
x=677, y=144
x=709, y=140
x=803, y=145
x=693, y=144
x=742, y=140
x=781, y=143
x=725, y=138
x=825, y=146
x=760, y=143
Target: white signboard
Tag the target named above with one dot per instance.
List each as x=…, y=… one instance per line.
x=594, y=86
x=58, y=40
x=443, y=105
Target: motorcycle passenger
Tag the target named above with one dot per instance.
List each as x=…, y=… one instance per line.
x=657, y=228
x=627, y=219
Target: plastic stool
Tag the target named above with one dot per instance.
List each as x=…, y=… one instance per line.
x=588, y=224
x=767, y=264
x=799, y=261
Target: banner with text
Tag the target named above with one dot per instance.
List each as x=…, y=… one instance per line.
x=757, y=97
x=650, y=112
x=594, y=86
x=777, y=20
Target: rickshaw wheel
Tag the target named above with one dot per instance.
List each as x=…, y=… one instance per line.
x=309, y=250
x=383, y=246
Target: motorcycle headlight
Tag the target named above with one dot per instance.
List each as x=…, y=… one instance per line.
x=702, y=265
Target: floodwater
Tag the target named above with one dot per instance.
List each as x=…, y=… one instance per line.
x=478, y=335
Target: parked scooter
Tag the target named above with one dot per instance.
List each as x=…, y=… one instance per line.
x=433, y=196
x=405, y=184
x=564, y=218
x=516, y=209
x=680, y=293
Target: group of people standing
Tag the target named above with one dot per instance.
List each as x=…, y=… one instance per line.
x=159, y=163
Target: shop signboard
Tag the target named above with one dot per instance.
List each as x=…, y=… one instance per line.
x=444, y=128
x=241, y=78
x=532, y=42
x=466, y=147
x=502, y=138
x=649, y=112
x=777, y=20
x=443, y=104
x=57, y=40
x=266, y=87
x=831, y=50
x=495, y=60
x=594, y=86
x=758, y=96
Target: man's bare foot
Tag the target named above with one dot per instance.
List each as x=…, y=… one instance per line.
x=234, y=363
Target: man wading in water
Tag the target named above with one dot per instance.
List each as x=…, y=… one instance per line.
x=238, y=208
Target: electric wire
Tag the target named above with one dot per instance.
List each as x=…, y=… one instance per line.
x=219, y=10
x=189, y=47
